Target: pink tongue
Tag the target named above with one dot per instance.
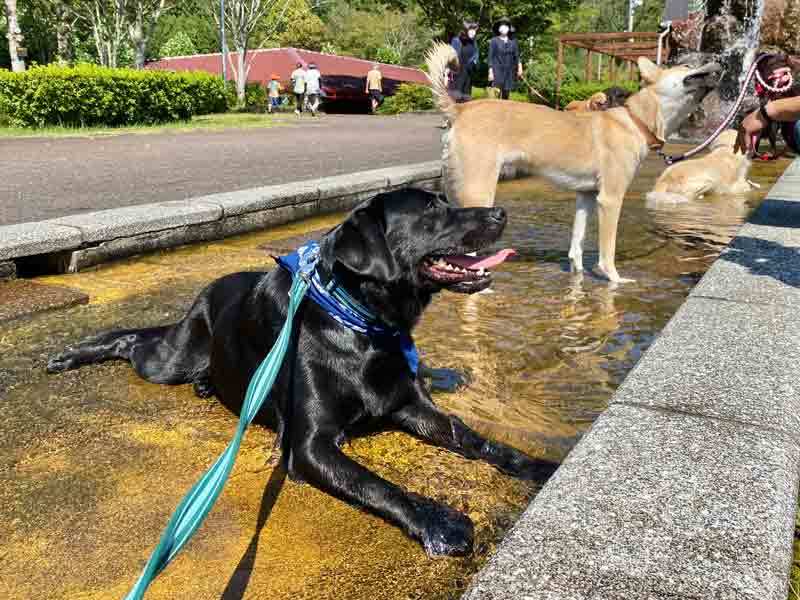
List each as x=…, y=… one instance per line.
x=480, y=262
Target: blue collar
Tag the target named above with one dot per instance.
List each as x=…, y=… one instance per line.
x=341, y=306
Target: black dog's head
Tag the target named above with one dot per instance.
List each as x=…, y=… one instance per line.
x=399, y=248
x=616, y=96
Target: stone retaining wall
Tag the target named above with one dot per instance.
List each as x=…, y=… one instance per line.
x=69, y=244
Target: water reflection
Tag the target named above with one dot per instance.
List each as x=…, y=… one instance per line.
x=707, y=224
x=548, y=348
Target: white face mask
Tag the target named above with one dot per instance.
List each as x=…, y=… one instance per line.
x=471, y=34
x=503, y=29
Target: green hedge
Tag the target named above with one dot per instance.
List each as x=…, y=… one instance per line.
x=255, y=97
x=408, y=97
x=583, y=90
x=88, y=95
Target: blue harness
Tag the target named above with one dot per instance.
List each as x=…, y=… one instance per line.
x=342, y=307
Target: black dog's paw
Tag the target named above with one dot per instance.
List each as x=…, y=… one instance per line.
x=203, y=388
x=445, y=380
x=61, y=362
x=534, y=469
x=443, y=530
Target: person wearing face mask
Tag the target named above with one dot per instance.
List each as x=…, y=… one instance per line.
x=460, y=83
x=504, y=64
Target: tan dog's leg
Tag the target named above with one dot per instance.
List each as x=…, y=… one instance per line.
x=474, y=178
x=608, y=211
x=585, y=203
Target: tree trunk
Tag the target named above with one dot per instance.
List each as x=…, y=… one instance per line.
x=63, y=28
x=14, y=36
x=139, y=42
x=241, y=76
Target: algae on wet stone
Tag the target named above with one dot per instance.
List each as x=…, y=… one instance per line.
x=95, y=460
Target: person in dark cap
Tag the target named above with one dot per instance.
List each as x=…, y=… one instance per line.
x=504, y=64
x=460, y=84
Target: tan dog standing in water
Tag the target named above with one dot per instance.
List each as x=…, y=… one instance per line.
x=597, y=154
x=721, y=171
x=597, y=101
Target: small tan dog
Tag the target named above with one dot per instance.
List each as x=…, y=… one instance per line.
x=721, y=171
x=596, y=153
x=597, y=101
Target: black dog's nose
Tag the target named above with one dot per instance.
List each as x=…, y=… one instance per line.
x=498, y=215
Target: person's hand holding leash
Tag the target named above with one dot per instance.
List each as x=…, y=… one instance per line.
x=491, y=74
x=751, y=130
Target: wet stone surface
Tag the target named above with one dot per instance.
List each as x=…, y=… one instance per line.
x=93, y=462
x=22, y=298
x=8, y=270
x=286, y=245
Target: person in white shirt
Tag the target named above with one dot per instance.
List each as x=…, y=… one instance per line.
x=299, y=87
x=313, y=87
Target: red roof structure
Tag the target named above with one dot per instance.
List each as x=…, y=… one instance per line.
x=343, y=77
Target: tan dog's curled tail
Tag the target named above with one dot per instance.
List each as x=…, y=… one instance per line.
x=439, y=58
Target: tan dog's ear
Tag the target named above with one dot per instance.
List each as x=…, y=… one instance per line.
x=648, y=69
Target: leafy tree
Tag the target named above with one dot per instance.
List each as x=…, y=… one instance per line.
x=198, y=27
x=179, y=44
x=531, y=18
x=299, y=27
x=250, y=24
x=403, y=37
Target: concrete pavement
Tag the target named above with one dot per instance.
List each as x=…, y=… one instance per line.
x=47, y=178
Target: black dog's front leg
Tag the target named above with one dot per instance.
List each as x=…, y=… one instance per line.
x=428, y=423
x=441, y=530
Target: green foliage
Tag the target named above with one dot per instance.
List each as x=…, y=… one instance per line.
x=530, y=18
x=255, y=97
x=408, y=97
x=390, y=56
x=88, y=95
x=197, y=26
x=179, y=44
x=479, y=93
x=540, y=74
x=401, y=37
x=298, y=27
x=583, y=90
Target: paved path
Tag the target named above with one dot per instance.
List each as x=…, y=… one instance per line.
x=48, y=178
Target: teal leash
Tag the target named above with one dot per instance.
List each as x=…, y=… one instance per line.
x=196, y=505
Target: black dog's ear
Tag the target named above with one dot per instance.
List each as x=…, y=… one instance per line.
x=360, y=244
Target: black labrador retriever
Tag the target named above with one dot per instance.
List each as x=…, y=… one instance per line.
x=391, y=254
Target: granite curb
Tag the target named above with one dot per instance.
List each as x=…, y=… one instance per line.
x=76, y=242
x=686, y=487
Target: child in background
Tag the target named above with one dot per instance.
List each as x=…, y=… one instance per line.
x=274, y=88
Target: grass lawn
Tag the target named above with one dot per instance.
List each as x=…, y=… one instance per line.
x=206, y=122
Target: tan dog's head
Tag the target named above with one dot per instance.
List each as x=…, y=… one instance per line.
x=678, y=91
x=598, y=101
x=726, y=139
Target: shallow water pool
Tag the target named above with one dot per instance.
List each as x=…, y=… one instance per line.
x=92, y=462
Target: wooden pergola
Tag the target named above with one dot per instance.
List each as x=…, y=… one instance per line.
x=627, y=46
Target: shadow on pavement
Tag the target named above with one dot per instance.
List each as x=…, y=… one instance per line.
x=237, y=584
